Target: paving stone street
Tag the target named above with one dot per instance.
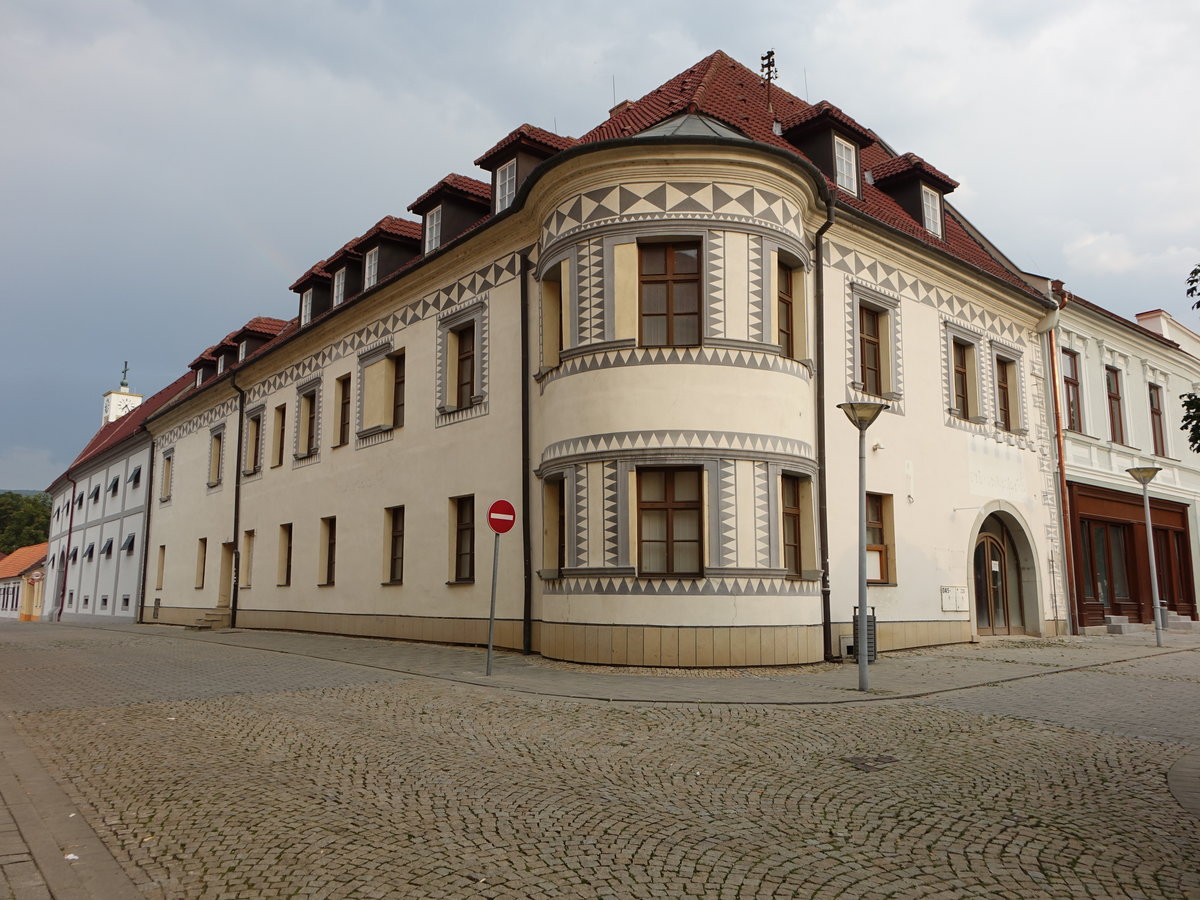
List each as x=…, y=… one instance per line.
x=306, y=767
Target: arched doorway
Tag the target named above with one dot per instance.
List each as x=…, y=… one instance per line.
x=999, y=592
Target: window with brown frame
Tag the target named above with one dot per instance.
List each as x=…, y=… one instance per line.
x=793, y=558
x=465, y=367
x=1116, y=418
x=253, y=461
x=870, y=349
x=669, y=277
x=464, y=539
x=278, y=433
x=216, y=446
x=308, y=423
x=878, y=558
x=669, y=522
x=1156, y=421
x=787, y=318
x=396, y=545
x=329, y=548
x=962, y=375
x=398, y=390
x=1004, y=406
x=343, y=401
x=1071, y=401
x=284, y=569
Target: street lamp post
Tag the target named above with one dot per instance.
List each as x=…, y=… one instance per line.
x=861, y=415
x=1143, y=475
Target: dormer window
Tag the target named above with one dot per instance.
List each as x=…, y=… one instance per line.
x=845, y=161
x=241, y=350
x=506, y=185
x=433, y=229
x=339, y=287
x=220, y=364
x=306, y=302
x=199, y=377
x=931, y=209
x=371, y=268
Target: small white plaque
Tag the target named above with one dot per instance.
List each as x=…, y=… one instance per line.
x=954, y=598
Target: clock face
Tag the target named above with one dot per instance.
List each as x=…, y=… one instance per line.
x=125, y=404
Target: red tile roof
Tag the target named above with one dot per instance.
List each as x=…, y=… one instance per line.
x=724, y=89
x=391, y=225
x=459, y=183
x=113, y=433
x=826, y=111
x=317, y=272
x=22, y=560
x=530, y=136
x=910, y=164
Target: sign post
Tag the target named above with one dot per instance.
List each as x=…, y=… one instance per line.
x=501, y=516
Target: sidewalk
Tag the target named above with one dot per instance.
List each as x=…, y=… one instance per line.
x=48, y=851
x=897, y=675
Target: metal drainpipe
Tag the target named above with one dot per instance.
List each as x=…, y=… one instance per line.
x=526, y=536
x=62, y=588
x=237, y=503
x=822, y=481
x=141, y=615
x=1064, y=499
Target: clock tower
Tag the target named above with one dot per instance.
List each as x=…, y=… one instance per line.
x=117, y=403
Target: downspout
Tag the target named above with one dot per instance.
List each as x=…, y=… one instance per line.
x=62, y=588
x=1049, y=326
x=526, y=536
x=822, y=480
x=237, y=503
x=141, y=616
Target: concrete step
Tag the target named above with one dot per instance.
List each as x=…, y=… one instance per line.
x=1127, y=627
x=1178, y=623
x=1116, y=620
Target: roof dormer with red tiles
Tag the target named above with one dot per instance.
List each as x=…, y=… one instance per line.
x=917, y=187
x=449, y=208
x=315, y=292
x=254, y=335
x=515, y=157
x=204, y=366
x=389, y=246
x=832, y=141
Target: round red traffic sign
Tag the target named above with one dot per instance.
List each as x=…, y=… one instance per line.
x=501, y=516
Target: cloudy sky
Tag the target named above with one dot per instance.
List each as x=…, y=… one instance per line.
x=168, y=168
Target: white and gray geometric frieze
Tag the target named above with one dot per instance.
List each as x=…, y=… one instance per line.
x=715, y=586
x=659, y=200
x=677, y=440
x=768, y=361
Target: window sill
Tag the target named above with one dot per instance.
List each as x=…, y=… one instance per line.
x=325, y=584
x=248, y=472
x=463, y=581
x=284, y=584
x=166, y=499
x=549, y=574
x=881, y=584
x=213, y=484
x=336, y=446
x=688, y=576
x=390, y=583
x=309, y=455
x=373, y=430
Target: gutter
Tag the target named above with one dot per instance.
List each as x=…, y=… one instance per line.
x=822, y=479
x=526, y=535
x=1049, y=327
x=237, y=503
x=62, y=587
x=150, y=504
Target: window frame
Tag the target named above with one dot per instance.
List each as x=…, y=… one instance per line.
x=431, y=232
x=339, y=286
x=1072, y=393
x=845, y=166
x=283, y=567
x=395, y=545
x=343, y=387
x=1114, y=401
x=252, y=463
x=463, y=545
x=785, y=301
x=793, y=513
x=932, y=211
x=328, y=555
x=1007, y=418
x=1158, y=435
x=671, y=278
x=398, y=387
x=371, y=268
x=216, y=455
x=506, y=185
x=881, y=521
x=671, y=506
x=167, y=477
x=306, y=306
x=465, y=360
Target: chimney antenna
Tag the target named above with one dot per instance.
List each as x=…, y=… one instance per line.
x=614, y=79
x=769, y=73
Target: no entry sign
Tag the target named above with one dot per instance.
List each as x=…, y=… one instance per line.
x=501, y=516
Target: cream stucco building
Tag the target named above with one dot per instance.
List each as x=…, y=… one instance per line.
x=640, y=338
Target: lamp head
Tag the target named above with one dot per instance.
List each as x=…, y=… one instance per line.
x=862, y=413
x=1144, y=474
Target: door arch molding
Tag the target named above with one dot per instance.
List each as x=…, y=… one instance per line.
x=1027, y=570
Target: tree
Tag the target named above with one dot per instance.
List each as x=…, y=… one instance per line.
x=1191, y=402
x=24, y=520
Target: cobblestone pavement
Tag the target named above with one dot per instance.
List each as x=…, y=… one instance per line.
x=222, y=772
